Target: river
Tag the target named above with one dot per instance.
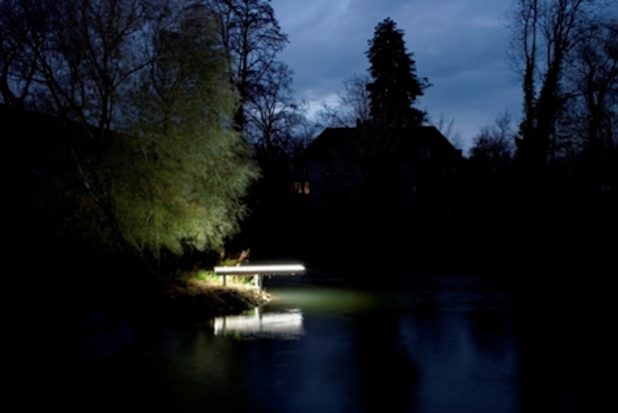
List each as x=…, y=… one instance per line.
x=449, y=345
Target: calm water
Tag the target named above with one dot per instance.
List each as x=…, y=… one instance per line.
x=449, y=347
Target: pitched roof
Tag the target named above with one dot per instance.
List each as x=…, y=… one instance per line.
x=397, y=143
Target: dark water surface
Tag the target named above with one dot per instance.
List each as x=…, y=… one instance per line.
x=452, y=345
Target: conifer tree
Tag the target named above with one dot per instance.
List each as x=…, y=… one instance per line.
x=395, y=85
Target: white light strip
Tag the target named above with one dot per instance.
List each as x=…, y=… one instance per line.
x=257, y=269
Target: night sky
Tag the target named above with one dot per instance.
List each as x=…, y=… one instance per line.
x=459, y=45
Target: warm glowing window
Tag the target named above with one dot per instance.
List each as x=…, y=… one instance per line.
x=302, y=187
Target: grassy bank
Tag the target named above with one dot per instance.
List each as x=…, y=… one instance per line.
x=194, y=298
x=72, y=295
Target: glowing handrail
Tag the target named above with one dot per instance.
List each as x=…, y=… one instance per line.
x=261, y=269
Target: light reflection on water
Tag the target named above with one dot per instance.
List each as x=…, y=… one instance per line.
x=282, y=325
x=322, y=349
x=427, y=349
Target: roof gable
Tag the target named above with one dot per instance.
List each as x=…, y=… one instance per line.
x=397, y=143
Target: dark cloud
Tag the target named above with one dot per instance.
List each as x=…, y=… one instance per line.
x=460, y=45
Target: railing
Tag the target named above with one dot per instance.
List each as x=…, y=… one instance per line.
x=258, y=271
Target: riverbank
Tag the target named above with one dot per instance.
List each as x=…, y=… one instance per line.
x=192, y=298
x=143, y=297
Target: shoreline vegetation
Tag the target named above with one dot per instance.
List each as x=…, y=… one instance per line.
x=142, y=296
x=191, y=297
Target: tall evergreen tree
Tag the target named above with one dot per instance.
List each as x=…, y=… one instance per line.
x=395, y=85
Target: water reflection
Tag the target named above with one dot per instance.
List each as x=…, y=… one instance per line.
x=283, y=324
x=388, y=376
x=433, y=350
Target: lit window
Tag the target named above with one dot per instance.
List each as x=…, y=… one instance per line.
x=301, y=187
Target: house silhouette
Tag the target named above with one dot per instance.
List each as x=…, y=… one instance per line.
x=368, y=166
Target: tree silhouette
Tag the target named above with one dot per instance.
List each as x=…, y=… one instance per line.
x=72, y=59
x=592, y=79
x=493, y=146
x=547, y=35
x=395, y=85
x=352, y=106
x=253, y=38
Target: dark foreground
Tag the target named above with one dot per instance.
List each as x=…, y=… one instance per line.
x=433, y=344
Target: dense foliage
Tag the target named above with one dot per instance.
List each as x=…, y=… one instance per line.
x=143, y=105
x=188, y=168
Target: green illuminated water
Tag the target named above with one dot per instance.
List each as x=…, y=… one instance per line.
x=441, y=347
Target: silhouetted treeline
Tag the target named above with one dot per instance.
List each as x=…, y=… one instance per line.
x=388, y=192
x=543, y=196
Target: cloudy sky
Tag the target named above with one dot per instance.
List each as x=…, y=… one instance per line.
x=459, y=45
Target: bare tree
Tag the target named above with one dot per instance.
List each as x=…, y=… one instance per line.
x=545, y=35
x=76, y=60
x=448, y=128
x=355, y=98
x=352, y=107
x=524, y=53
x=593, y=79
x=493, y=146
x=271, y=111
x=78, y=56
x=251, y=34
x=17, y=67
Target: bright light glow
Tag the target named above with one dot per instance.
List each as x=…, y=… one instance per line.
x=261, y=269
x=282, y=324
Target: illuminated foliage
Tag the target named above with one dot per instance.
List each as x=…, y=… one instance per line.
x=185, y=170
x=139, y=147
